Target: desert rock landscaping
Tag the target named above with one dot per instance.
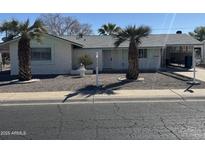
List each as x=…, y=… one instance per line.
x=109, y=81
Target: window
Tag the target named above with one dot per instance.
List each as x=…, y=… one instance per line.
x=142, y=53
x=40, y=54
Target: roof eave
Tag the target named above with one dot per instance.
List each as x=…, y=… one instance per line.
x=73, y=43
x=186, y=44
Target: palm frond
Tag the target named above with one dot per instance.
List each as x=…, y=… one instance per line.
x=11, y=29
x=37, y=30
x=37, y=24
x=108, y=29
x=142, y=31
x=101, y=31
x=23, y=27
x=120, y=37
x=131, y=33
x=119, y=41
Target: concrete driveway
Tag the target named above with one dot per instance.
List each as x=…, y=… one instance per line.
x=200, y=73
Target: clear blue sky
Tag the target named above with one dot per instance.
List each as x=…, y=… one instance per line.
x=160, y=23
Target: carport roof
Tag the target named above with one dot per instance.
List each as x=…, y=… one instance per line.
x=153, y=40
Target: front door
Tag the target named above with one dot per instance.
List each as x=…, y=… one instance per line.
x=107, y=59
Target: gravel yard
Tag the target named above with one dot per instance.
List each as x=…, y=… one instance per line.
x=109, y=81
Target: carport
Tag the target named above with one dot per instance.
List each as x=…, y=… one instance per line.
x=179, y=52
x=179, y=55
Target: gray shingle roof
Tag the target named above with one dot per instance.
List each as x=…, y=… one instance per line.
x=153, y=40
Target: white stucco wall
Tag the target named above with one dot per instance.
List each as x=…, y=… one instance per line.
x=92, y=53
x=13, y=49
x=120, y=59
x=65, y=58
x=61, y=62
x=153, y=60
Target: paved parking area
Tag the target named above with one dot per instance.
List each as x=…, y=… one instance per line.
x=200, y=74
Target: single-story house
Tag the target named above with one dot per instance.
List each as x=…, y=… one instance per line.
x=60, y=55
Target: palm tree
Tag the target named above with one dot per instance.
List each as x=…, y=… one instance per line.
x=199, y=33
x=134, y=35
x=108, y=29
x=10, y=29
x=26, y=34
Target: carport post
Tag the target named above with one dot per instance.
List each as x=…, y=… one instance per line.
x=193, y=82
x=194, y=66
x=97, y=84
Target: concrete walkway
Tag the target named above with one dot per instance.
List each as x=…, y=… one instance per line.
x=200, y=74
x=86, y=97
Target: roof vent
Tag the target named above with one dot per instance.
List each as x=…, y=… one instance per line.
x=179, y=32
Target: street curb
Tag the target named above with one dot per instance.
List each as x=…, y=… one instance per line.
x=92, y=101
x=137, y=99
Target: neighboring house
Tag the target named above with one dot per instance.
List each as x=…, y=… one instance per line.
x=203, y=58
x=60, y=55
x=2, y=53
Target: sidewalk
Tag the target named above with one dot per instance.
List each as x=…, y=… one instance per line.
x=118, y=95
x=200, y=74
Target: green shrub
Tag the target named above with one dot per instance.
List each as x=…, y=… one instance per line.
x=85, y=60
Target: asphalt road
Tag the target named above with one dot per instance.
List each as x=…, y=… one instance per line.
x=113, y=120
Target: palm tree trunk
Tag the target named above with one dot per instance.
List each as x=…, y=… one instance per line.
x=24, y=56
x=133, y=68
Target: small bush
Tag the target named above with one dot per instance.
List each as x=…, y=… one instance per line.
x=85, y=60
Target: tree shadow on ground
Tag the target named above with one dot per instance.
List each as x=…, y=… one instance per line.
x=5, y=76
x=182, y=78
x=176, y=76
x=91, y=90
x=8, y=79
